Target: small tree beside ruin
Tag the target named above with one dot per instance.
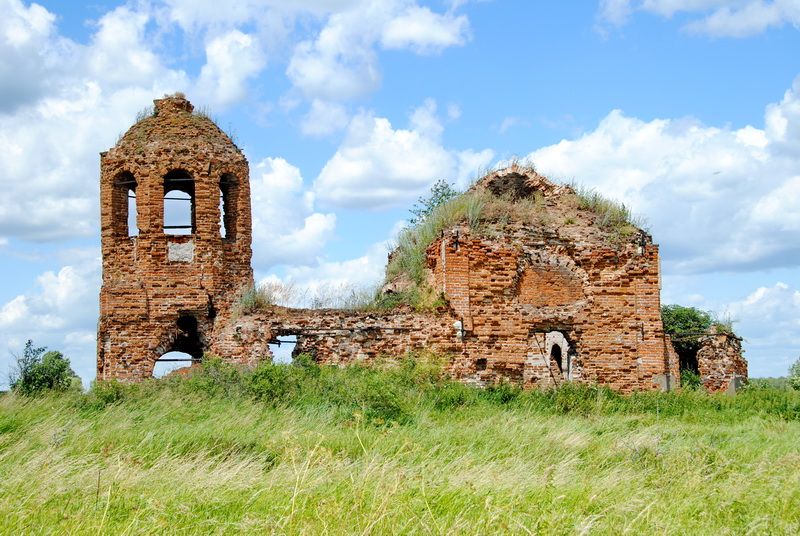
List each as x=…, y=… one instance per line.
x=794, y=375
x=38, y=370
x=441, y=192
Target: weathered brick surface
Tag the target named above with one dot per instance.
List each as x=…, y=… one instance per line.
x=336, y=337
x=605, y=302
x=720, y=362
x=532, y=302
x=144, y=292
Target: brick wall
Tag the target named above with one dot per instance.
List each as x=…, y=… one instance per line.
x=152, y=280
x=532, y=302
x=720, y=362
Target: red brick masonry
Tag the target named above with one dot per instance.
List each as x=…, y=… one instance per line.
x=535, y=303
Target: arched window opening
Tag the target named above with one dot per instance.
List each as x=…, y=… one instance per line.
x=227, y=206
x=179, y=203
x=561, y=354
x=123, y=205
x=133, y=228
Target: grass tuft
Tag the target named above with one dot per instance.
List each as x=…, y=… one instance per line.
x=265, y=295
x=611, y=216
x=395, y=449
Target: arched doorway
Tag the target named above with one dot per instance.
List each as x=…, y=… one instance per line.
x=555, y=358
x=183, y=349
x=171, y=362
x=560, y=354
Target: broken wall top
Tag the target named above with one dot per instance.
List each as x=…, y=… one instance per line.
x=519, y=182
x=174, y=129
x=539, y=206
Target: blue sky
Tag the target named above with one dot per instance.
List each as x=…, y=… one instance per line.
x=688, y=111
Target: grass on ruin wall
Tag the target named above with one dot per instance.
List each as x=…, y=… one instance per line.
x=302, y=449
x=477, y=207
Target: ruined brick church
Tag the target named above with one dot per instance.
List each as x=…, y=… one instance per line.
x=537, y=301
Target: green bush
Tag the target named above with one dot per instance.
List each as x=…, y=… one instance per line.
x=502, y=393
x=38, y=370
x=274, y=384
x=399, y=391
x=214, y=377
x=690, y=379
x=441, y=192
x=685, y=325
x=454, y=395
x=104, y=393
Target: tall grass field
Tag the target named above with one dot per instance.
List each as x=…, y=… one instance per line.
x=397, y=449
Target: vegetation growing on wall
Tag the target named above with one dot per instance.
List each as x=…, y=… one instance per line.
x=445, y=207
x=687, y=324
x=413, y=241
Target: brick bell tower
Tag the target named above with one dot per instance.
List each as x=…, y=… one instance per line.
x=176, y=236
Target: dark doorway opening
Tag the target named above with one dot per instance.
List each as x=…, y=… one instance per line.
x=188, y=338
x=687, y=358
x=555, y=358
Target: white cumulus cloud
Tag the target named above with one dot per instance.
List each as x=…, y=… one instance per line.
x=769, y=320
x=717, y=198
x=324, y=118
x=286, y=229
x=231, y=59
x=340, y=62
x=717, y=18
x=423, y=31
x=56, y=314
x=378, y=165
x=49, y=144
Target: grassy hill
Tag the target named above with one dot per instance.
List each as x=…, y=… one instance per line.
x=303, y=449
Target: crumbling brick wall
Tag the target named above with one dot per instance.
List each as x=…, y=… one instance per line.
x=337, y=337
x=511, y=294
x=536, y=302
x=720, y=362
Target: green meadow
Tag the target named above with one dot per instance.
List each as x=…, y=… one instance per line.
x=397, y=449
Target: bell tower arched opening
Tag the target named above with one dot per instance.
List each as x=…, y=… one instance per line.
x=179, y=203
x=228, y=206
x=123, y=205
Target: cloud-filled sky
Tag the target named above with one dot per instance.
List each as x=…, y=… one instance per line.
x=348, y=110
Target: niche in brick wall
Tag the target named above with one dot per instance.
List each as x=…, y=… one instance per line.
x=549, y=285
